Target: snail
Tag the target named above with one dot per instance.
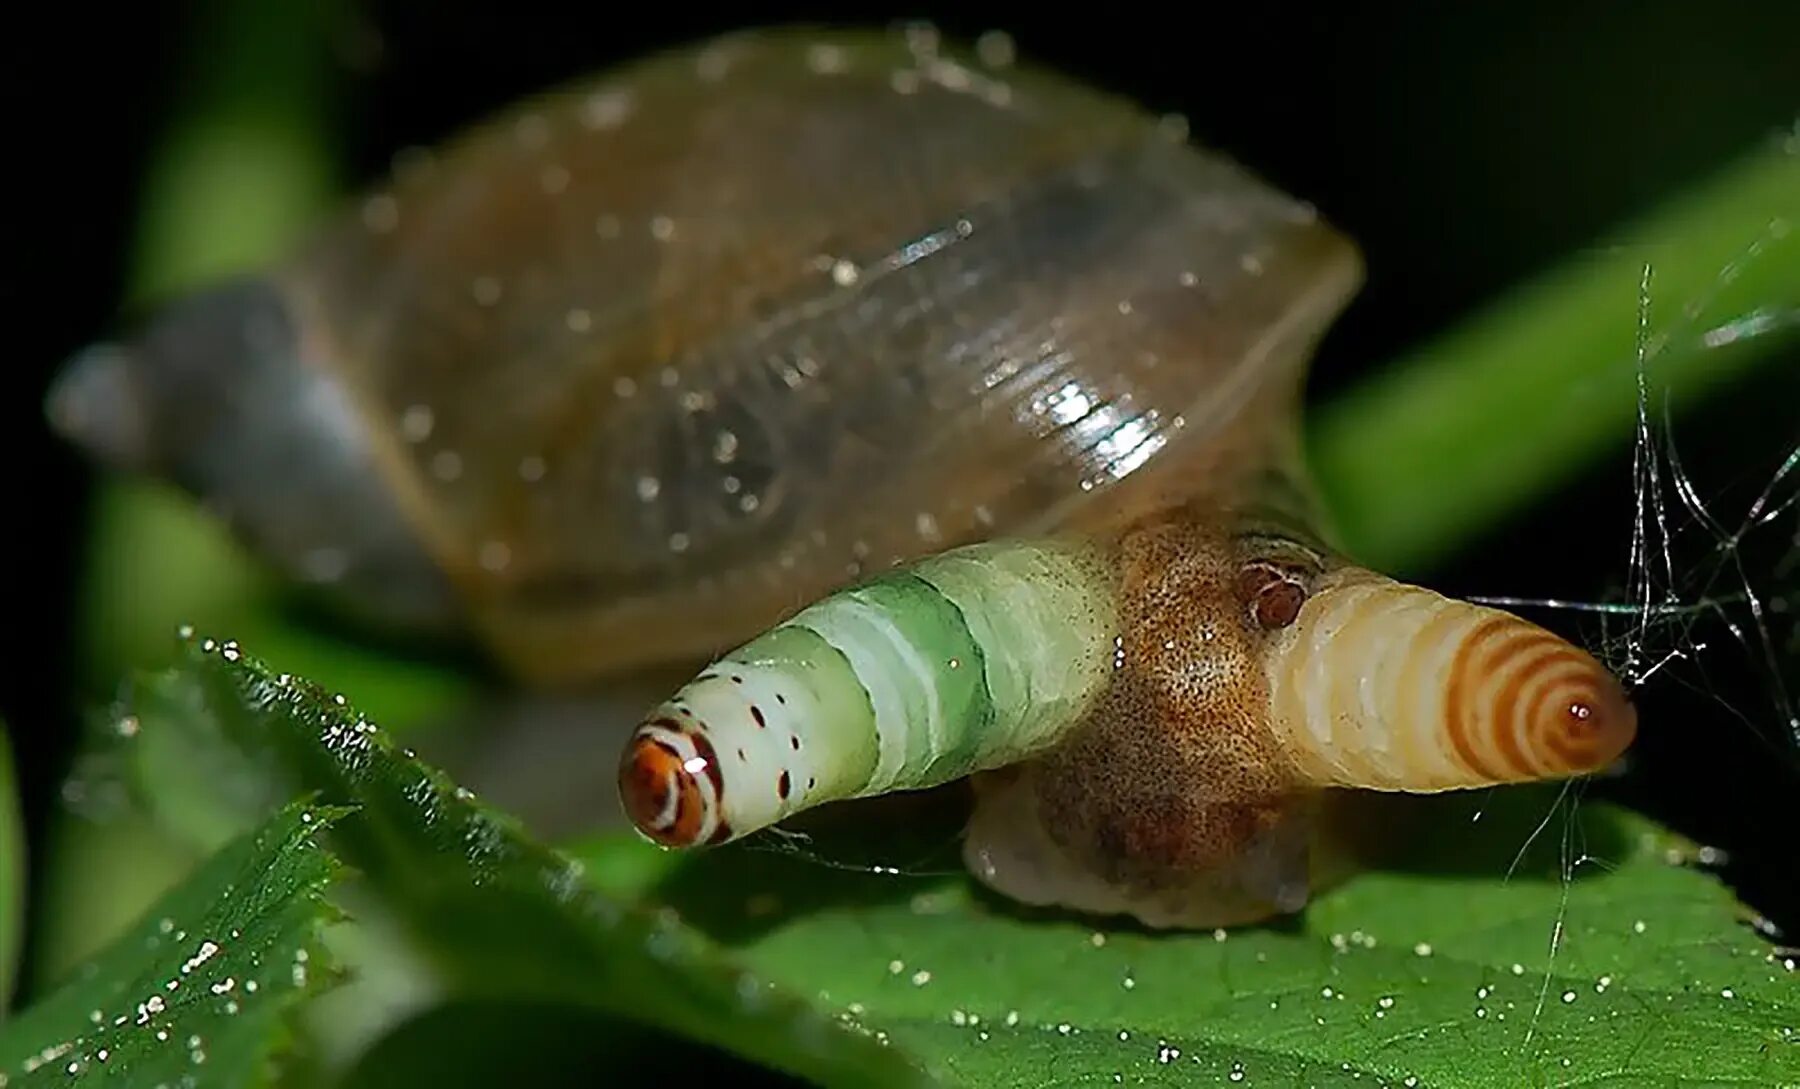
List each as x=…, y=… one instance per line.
x=961, y=398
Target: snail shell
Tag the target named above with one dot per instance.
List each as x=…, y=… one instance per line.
x=999, y=373
x=624, y=374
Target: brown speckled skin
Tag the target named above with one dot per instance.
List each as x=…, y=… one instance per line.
x=1171, y=802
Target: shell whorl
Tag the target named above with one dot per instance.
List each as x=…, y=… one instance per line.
x=968, y=660
x=1385, y=686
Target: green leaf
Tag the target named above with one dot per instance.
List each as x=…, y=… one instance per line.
x=1439, y=968
x=500, y=916
x=197, y=993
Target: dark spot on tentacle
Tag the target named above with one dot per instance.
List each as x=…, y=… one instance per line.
x=781, y=699
x=794, y=740
x=741, y=755
x=735, y=679
x=782, y=786
x=756, y=713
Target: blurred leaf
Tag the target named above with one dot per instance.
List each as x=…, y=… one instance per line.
x=1436, y=971
x=12, y=873
x=250, y=157
x=198, y=992
x=160, y=564
x=500, y=916
x=1473, y=425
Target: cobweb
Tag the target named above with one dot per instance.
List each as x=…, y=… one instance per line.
x=1712, y=566
x=1711, y=578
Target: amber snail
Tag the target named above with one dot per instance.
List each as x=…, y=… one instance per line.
x=960, y=398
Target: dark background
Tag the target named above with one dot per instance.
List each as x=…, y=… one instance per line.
x=1464, y=146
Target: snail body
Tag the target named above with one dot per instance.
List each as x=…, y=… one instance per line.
x=961, y=399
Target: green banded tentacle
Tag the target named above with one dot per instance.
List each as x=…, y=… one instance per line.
x=964, y=661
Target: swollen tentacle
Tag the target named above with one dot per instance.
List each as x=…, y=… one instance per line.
x=968, y=660
x=1386, y=686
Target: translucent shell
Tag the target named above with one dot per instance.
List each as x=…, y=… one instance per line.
x=652, y=360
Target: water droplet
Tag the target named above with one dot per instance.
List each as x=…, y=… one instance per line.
x=381, y=213
x=416, y=423
x=494, y=556
x=532, y=131
x=826, y=59
x=995, y=49
x=605, y=109
x=446, y=465
x=725, y=447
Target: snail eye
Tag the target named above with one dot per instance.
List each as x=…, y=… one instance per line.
x=1271, y=593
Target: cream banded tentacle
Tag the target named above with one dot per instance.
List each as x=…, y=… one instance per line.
x=1385, y=686
x=964, y=661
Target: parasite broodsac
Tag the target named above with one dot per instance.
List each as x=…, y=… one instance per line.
x=962, y=399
